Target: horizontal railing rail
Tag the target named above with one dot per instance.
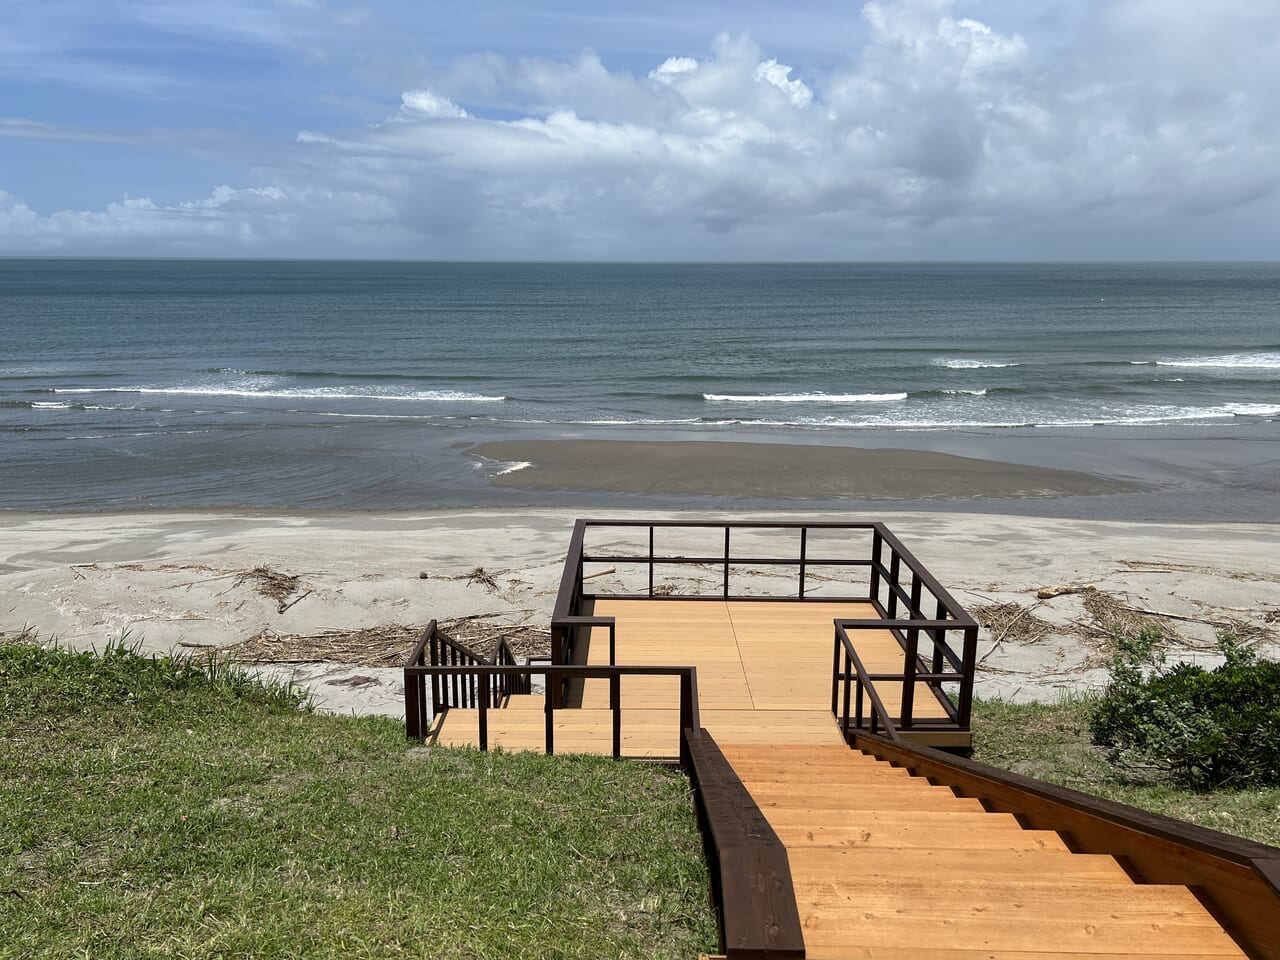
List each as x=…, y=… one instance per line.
x=572, y=592
x=1238, y=879
x=416, y=675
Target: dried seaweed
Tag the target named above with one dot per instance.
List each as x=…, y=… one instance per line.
x=482, y=636
x=381, y=646
x=1012, y=621
x=269, y=583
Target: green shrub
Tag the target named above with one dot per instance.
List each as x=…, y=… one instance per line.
x=1206, y=728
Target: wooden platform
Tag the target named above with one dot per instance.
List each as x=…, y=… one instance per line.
x=764, y=676
x=886, y=866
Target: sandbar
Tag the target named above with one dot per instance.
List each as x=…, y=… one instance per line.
x=774, y=471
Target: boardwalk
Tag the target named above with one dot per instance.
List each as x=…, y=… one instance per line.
x=764, y=676
x=854, y=857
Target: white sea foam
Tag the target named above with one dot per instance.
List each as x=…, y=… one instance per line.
x=963, y=364
x=513, y=467
x=50, y=405
x=1241, y=361
x=967, y=393
x=804, y=397
x=314, y=393
x=1253, y=409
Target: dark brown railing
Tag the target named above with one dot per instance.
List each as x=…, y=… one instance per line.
x=483, y=677
x=915, y=608
x=437, y=649
x=852, y=674
x=751, y=886
x=1237, y=879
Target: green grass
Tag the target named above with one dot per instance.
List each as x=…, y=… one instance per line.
x=1051, y=742
x=151, y=808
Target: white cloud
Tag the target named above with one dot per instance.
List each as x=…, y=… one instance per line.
x=943, y=135
x=427, y=104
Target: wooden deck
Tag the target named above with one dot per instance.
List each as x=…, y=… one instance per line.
x=822, y=851
x=764, y=676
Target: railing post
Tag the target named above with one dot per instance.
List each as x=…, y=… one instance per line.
x=550, y=733
x=413, y=705
x=726, y=561
x=835, y=674
x=804, y=538
x=615, y=705
x=909, y=677
x=848, y=669
x=651, y=560
x=437, y=694
x=857, y=716
x=916, y=613
x=877, y=541
x=484, y=716
x=895, y=566
x=939, y=640
x=686, y=715
x=613, y=644
x=969, y=660
x=558, y=645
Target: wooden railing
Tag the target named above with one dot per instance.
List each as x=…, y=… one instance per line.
x=482, y=677
x=853, y=675
x=939, y=640
x=437, y=649
x=751, y=886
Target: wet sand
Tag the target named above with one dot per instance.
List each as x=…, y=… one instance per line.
x=775, y=471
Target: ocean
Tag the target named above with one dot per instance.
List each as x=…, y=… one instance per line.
x=171, y=383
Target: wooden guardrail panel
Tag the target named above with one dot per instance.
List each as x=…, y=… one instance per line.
x=751, y=875
x=1238, y=879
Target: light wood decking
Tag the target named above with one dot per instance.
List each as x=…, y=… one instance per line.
x=764, y=676
x=884, y=865
x=887, y=866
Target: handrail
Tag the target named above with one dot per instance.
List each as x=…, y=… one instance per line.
x=879, y=714
x=1239, y=878
x=751, y=886
x=415, y=684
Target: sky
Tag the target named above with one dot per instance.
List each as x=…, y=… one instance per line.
x=578, y=130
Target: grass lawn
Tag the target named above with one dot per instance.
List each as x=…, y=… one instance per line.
x=1051, y=742
x=151, y=808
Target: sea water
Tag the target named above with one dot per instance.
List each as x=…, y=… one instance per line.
x=347, y=384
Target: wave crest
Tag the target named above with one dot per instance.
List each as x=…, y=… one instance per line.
x=804, y=397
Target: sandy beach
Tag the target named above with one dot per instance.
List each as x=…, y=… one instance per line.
x=202, y=580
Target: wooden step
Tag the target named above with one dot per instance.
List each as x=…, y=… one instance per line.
x=887, y=835
x=875, y=864
x=1158, y=935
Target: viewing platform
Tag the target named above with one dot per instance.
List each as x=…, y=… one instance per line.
x=805, y=676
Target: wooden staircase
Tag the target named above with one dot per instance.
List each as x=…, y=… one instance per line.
x=886, y=865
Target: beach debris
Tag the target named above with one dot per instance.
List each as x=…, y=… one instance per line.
x=270, y=583
x=1048, y=593
x=1012, y=621
x=380, y=646
x=1108, y=616
x=599, y=573
x=423, y=575
x=1166, y=566
x=483, y=577
x=480, y=635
